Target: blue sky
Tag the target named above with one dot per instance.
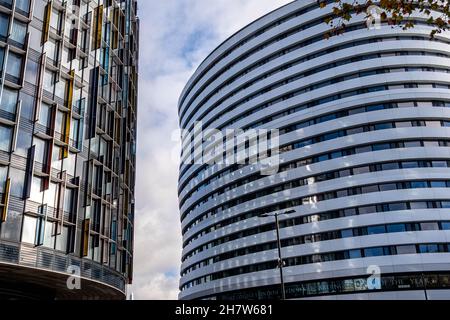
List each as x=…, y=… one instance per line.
x=176, y=35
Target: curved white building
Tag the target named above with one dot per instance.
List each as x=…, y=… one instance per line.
x=364, y=133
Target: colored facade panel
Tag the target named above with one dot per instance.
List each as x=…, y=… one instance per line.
x=63, y=157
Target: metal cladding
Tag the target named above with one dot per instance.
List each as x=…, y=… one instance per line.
x=363, y=161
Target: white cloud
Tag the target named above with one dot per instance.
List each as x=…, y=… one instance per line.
x=176, y=35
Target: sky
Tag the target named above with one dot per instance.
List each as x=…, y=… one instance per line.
x=175, y=36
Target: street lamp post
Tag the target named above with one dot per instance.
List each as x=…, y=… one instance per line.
x=280, y=259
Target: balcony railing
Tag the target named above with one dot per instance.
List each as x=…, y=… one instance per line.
x=42, y=258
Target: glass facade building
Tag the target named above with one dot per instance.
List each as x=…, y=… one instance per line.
x=68, y=107
x=364, y=162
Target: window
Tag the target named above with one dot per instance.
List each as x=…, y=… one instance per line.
x=418, y=205
x=348, y=233
x=406, y=249
x=74, y=132
x=56, y=157
x=381, y=146
x=31, y=71
x=369, y=189
x=28, y=106
x=4, y=26
x=51, y=195
x=418, y=184
x=367, y=209
x=45, y=115
x=9, y=100
x=439, y=164
x=55, y=20
x=49, y=81
x=41, y=150
x=445, y=225
x=49, y=239
x=14, y=66
x=426, y=226
x=412, y=144
x=2, y=57
x=5, y=138
x=35, y=34
x=23, y=143
x=36, y=190
x=410, y=164
x=23, y=7
x=353, y=254
x=376, y=230
x=390, y=166
x=68, y=200
x=10, y=229
x=349, y=212
x=69, y=164
x=19, y=32
x=399, y=227
x=438, y=184
x=61, y=240
x=3, y=176
x=60, y=87
x=60, y=124
x=29, y=229
x=428, y=248
x=17, y=182
x=382, y=126
x=373, y=252
x=361, y=170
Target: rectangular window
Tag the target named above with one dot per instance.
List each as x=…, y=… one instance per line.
x=348, y=233
x=23, y=7
x=45, y=115
x=51, y=195
x=367, y=209
x=398, y=227
x=61, y=240
x=36, y=193
x=418, y=205
x=418, y=184
x=406, y=249
x=49, y=81
x=426, y=226
x=376, y=230
x=374, y=252
x=28, y=106
x=445, y=225
x=14, y=67
x=4, y=26
x=5, y=138
x=17, y=182
x=19, y=32
x=29, y=229
x=428, y=248
x=438, y=184
x=57, y=157
x=353, y=254
x=56, y=20
x=398, y=206
x=41, y=151
x=9, y=100
x=23, y=143
x=10, y=229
